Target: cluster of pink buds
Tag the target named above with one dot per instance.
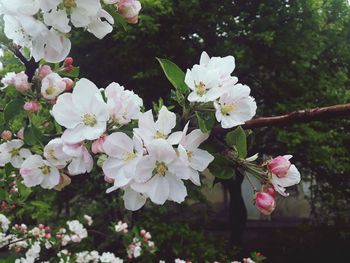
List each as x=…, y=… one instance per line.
x=68, y=64
x=31, y=106
x=7, y=206
x=21, y=228
x=14, y=188
x=41, y=231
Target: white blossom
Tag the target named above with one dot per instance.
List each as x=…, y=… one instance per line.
x=83, y=113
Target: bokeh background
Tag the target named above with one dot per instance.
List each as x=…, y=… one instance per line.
x=294, y=54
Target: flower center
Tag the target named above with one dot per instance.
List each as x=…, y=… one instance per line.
x=189, y=154
x=129, y=156
x=50, y=90
x=228, y=108
x=69, y=4
x=160, y=135
x=45, y=170
x=89, y=120
x=51, y=153
x=160, y=168
x=14, y=152
x=201, y=89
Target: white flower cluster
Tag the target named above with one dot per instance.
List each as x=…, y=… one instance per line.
x=31, y=255
x=78, y=231
x=88, y=257
x=149, y=166
x=4, y=223
x=43, y=25
x=211, y=81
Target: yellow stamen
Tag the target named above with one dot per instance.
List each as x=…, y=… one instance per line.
x=201, y=89
x=160, y=135
x=89, y=120
x=160, y=169
x=69, y=4
x=45, y=170
x=228, y=108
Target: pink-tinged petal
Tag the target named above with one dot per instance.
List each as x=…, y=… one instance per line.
x=132, y=200
x=65, y=113
x=88, y=161
x=200, y=159
x=30, y=171
x=178, y=191
x=118, y=144
x=166, y=121
x=147, y=127
x=144, y=169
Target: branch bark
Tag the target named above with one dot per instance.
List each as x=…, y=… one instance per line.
x=301, y=116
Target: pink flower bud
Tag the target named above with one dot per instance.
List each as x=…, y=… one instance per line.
x=129, y=9
x=143, y=232
x=69, y=83
x=20, y=134
x=268, y=189
x=6, y=135
x=21, y=82
x=279, y=166
x=68, y=68
x=44, y=70
x=41, y=226
x=265, y=203
x=68, y=61
x=32, y=106
x=96, y=146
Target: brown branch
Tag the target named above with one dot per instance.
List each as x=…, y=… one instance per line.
x=301, y=116
x=30, y=65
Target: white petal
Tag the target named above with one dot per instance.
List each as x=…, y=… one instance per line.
x=200, y=159
x=166, y=121
x=132, y=200
x=178, y=191
x=118, y=144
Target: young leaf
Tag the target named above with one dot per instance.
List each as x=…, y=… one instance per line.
x=238, y=140
x=74, y=73
x=40, y=204
x=221, y=168
x=12, y=109
x=206, y=121
x=174, y=74
x=32, y=135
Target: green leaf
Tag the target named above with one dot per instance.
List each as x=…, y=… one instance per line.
x=40, y=204
x=174, y=74
x=74, y=73
x=237, y=139
x=12, y=109
x=23, y=190
x=206, y=121
x=221, y=168
x=32, y=135
x=118, y=18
